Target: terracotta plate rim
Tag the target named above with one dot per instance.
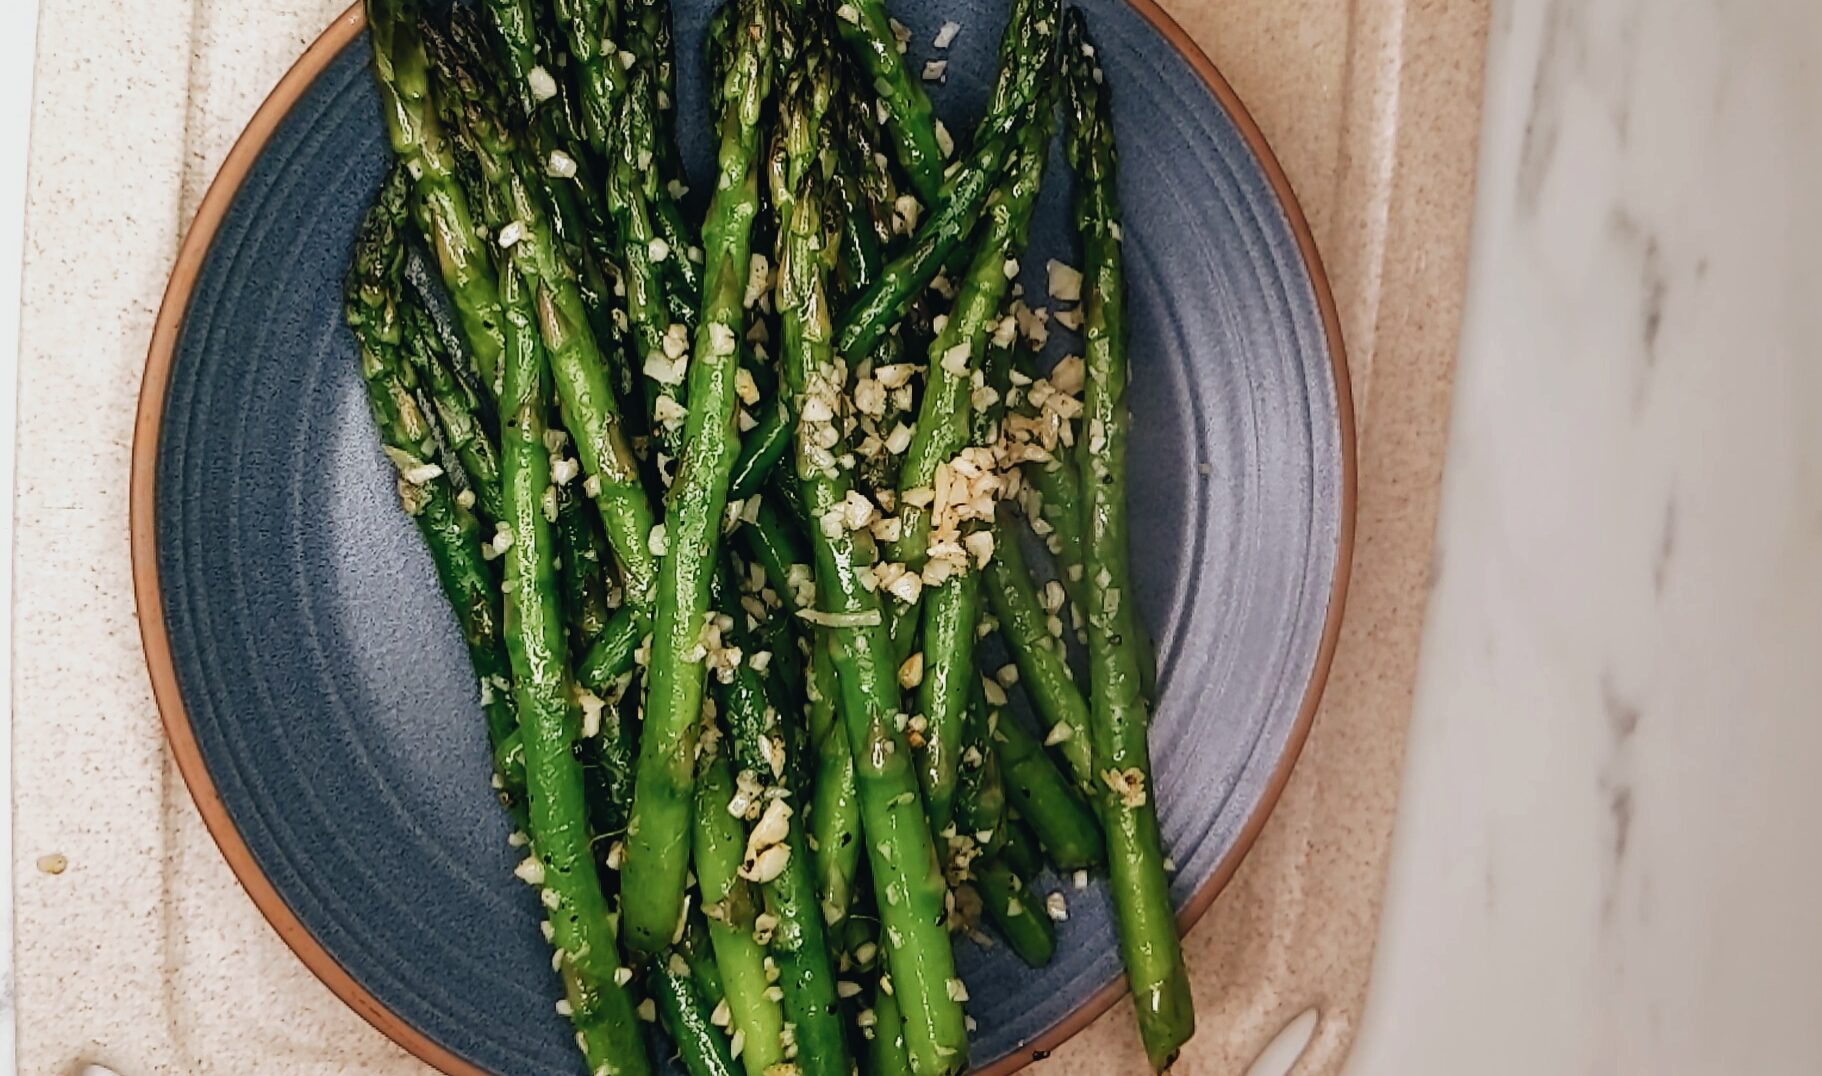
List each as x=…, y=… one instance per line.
x=162, y=667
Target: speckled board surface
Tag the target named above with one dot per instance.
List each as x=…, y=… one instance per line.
x=144, y=954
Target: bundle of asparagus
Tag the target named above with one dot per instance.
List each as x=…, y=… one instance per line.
x=722, y=510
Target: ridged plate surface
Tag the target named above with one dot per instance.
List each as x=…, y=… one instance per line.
x=328, y=692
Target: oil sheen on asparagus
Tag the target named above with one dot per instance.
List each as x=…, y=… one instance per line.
x=724, y=489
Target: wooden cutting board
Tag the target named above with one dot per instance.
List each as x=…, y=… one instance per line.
x=144, y=954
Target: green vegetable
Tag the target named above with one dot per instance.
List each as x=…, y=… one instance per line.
x=1045, y=798
x=883, y=303
x=835, y=810
x=1121, y=720
x=900, y=849
x=868, y=32
x=943, y=430
x=685, y=1014
x=655, y=864
x=951, y=612
x=457, y=408
x=779, y=858
x=700, y=953
x=1027, y=60
x=579, y=373
x=980, y=798
x=441, y=208
x=561, y=860
x=1016, y=910
x=450, y=530
x=760, y=450
x=886, y=1040
x=631, y=189
x=843, y=791
x=650, y=39
x=1042, y=664
x=732, y=909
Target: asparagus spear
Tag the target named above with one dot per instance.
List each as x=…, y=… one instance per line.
x=1045, y=799
x=450, y=531
x=880, y=307
x=867, y=166
x=955, y=355
x=980, y=799
x=1021, y=848
x=1120, y=719
x=1056, y=497
x=834, y=822
x=564, y=172
x=776, y=551
x=582, y=551
x=778, y=858
x=589, y=409
x=1053, y=478
x=607, y=754
x=699, y=951
x=886, y=1033
x=655, y=863
x=443, y=212
x=863, y=191
x=835, y=810
x=685, y=1013
x=650, y=23
x=1021, y=862
x=617, y=119
x=561, y=861
x=648, y=35
x=527, y=79
x=1027, y=54
x=612, y=653
x=590, y=29
x=950, y=617
x=942, y=433
x=760, y=450
x=728, y=901
x=809, y=84
x=580, y=548
x=1043, y=668
x=1016, y=912
x=645, y=37
x=867, y=30
x=900, y=849
x=455, y=405
x=662, y=344
x=947, y=672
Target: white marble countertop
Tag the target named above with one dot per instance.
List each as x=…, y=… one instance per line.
x=1604, y=854
x=1605, y=857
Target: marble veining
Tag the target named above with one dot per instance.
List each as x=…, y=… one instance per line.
x=1605, y=853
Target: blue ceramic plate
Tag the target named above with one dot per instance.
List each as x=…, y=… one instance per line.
x=320, y=703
